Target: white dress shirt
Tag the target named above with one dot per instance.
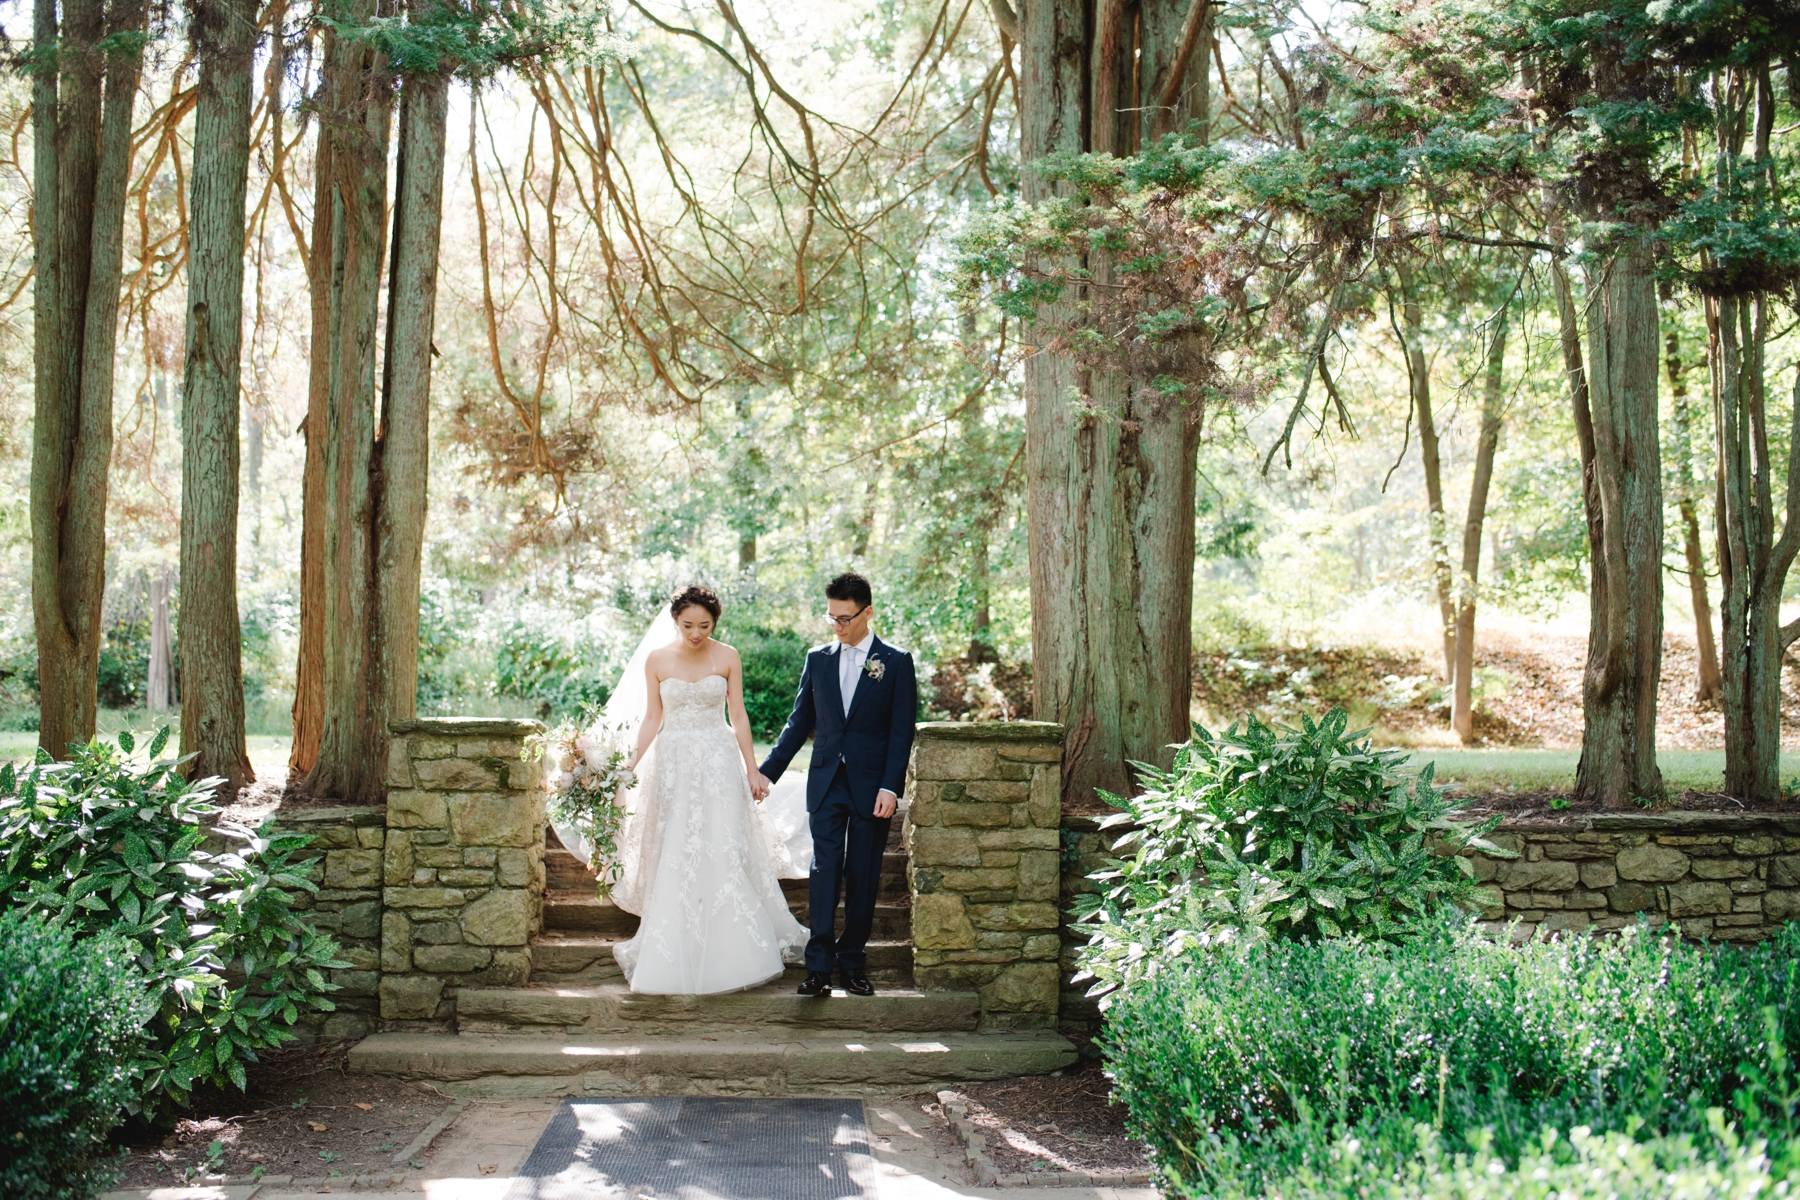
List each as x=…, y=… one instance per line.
x=850, y=662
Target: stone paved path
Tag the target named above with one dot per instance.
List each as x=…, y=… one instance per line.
x=479, y=1155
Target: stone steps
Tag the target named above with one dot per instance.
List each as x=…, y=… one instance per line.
x=809, y=1062
x=612, y=1008
x=565, y=873
x=559, y=958
x=583, y=912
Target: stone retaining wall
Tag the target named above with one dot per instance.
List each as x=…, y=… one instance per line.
x=983, y=871
x=347, y=906
x=462, y=865
x=1725, y=876
x=1716, y=875
x=1084, y=851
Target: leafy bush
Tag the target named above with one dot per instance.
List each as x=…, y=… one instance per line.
x=1248, y=1064
x=773, y=660
x=1271, y=830
x=562, y=678
x=124, y=669
x=1403, y=1163
x=72, y=1018
x=103, y=845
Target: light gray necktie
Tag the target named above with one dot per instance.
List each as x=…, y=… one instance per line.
x=847, y=675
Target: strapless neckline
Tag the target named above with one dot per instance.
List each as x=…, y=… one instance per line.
x=690, y=682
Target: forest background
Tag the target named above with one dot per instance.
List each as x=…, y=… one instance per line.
x=706, y=316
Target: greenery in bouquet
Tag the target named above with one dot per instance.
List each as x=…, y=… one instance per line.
x=586, y=778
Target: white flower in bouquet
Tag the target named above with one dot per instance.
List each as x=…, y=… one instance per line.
x=586, y=790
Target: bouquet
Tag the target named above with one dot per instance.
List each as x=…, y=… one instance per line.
x=587, y=773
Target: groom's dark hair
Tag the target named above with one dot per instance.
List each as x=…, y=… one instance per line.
x=852, y=587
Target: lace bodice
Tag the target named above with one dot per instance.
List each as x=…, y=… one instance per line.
x=697, y=705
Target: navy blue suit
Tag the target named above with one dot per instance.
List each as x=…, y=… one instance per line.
x=855, y=756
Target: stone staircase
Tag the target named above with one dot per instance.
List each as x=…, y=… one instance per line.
x=576, y=1028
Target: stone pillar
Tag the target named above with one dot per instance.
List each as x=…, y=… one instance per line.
x=463, y=863
x=348, y=842
x=982, y=836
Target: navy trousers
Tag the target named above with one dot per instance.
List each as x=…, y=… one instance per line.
x=847, y=852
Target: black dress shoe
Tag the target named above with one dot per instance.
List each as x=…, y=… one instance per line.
x=857, y=984
x=816, y=983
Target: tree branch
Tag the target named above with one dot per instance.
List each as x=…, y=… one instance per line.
x=1005, y=18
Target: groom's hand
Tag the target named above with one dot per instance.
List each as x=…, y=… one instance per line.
x=885, y=803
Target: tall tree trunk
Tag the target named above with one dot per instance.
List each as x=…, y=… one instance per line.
x=1493, y=397
x=1622, y=463
x=403, y=454
x=82, y=99
x=1753, y=565
x=1418, y=375
x=981, y=583
x=159, y=692
x=349, y=211
x=1708, y=687
x=212, y=695
x=309, y=667
x=1109, y=460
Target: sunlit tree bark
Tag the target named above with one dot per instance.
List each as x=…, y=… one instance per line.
x=355, y=108
x=1110, y=459
x=82, y=98
x=1487, y=444
x=1708, y=686
x=212, y=693
x=1418, y=374
x=1616, y=424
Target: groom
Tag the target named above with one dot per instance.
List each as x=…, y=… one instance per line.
x=858, y=700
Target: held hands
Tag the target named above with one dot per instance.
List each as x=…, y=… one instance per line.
x=759, y=785
x=885, y=803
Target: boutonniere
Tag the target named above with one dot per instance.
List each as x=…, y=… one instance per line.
x=874, y=668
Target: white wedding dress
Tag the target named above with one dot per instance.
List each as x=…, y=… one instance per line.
x=700, y=860
x=697, y=862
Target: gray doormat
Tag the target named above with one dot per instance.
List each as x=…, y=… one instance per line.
x=700, y=1148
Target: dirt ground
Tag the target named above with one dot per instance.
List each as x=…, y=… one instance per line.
x=1046, y=1122
x=302, y=1116
x=1536, y=686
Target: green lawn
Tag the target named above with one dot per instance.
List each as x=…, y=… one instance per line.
x=1554, y=770
x=268, y=752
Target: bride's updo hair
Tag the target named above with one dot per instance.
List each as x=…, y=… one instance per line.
x=688, y=597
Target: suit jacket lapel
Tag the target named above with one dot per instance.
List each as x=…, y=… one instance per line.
x=862, y=678
x=835, y=692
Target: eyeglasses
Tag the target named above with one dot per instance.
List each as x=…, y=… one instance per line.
x=844, y=622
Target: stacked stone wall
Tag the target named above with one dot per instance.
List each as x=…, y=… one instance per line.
x=462, y=865
x=1084, y=851
x=349, y=842
x=1722, y=876
x=1726, y=876
x=982, y=835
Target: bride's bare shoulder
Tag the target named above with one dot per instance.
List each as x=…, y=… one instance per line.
x=728, y=653
x=657, y=661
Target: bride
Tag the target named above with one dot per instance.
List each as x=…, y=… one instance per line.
x=699, y=860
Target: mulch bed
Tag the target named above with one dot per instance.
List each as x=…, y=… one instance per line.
x=303, y=1115
x=1051, y=1123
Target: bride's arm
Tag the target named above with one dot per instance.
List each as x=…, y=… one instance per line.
x=653, y=713
x=740, y=719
